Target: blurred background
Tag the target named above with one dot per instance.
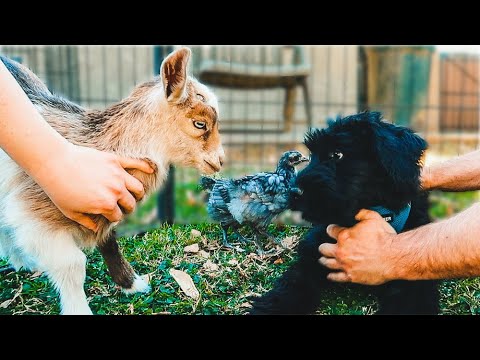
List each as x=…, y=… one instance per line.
x=270, y=95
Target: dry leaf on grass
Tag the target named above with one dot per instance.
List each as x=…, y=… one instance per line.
x=195, y=233
x=130, y=309
x=185, y=282
x=245, y=305
x=290, y=241
x=278, y=261
x=210, y=266
x=6, y=303
x=204, y=254
x=233, y=262
x=194, y=248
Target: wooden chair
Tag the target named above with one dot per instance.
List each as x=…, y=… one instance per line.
x=272, y=69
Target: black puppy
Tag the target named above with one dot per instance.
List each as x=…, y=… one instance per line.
x=357, y=162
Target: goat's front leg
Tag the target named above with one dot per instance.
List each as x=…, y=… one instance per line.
x=120, y=270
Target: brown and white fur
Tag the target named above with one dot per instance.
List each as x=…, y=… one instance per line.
x=158, y=121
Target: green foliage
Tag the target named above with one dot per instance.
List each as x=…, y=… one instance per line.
x=190, y=204
x=446, y=204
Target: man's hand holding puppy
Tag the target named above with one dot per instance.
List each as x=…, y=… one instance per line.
x=360, y=261
x=372, y=253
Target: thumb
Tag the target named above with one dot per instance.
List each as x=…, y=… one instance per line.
x=131, y=163
x=365, y=214
x=86, y=221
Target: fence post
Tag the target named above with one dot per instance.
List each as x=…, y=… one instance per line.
x=166, y=196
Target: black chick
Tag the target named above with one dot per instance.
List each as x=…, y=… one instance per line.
x=254, y=199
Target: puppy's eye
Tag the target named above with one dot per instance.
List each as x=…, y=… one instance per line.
x=200, y=97
x=336, y=155
x=199, y=124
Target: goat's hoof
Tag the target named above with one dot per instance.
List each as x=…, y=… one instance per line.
x=139, y=286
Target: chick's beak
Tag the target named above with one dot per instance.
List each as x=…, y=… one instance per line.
x=304, y=158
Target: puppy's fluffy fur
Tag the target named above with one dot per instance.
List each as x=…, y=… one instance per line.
x=378, y=165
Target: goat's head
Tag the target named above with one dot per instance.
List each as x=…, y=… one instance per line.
x=192, y=113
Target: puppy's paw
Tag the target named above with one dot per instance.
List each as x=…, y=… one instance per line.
x=139, y=286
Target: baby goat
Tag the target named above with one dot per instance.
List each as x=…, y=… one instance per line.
x=172, y=119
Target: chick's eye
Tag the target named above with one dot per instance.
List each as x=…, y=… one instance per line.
x=336, y=155
x=200, y=124
x=200, y=97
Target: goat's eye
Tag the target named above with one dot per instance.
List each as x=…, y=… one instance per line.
x=200, y=97
x=336, y=155
x=200, y=124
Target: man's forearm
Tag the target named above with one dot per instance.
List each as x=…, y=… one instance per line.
x=442, y=250
x=461, y=173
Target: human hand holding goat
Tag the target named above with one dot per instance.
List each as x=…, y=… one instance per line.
x=59, y=166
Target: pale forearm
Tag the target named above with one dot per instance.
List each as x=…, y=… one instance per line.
x=22, y=129
x=58, y=166
x=457, y=174
x=442, y=250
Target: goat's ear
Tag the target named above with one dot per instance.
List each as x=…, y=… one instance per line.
x=400, y=151
x=174, y=74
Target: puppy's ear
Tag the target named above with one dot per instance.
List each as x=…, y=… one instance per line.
x=399, y=150
x=174, y=74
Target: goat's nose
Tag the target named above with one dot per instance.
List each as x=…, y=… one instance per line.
x=221, y=157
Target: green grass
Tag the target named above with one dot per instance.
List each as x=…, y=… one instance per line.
x=222, y=291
